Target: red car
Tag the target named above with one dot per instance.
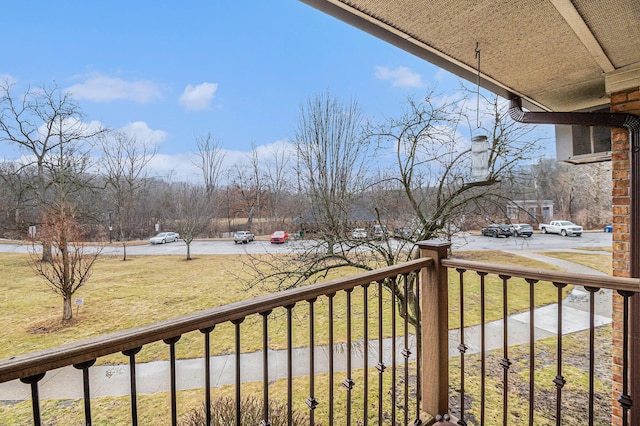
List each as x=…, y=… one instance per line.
x=279, y=237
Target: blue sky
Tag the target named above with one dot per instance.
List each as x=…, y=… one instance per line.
x=171, y=72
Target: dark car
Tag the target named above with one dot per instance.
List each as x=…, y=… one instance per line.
x=497, y=230
x=522, y=229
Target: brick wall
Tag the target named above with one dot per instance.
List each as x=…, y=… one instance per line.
x=626, y=101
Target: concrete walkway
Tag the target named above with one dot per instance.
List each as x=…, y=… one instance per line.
x=155, y=376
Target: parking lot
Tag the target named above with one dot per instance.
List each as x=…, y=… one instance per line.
x=539, y=242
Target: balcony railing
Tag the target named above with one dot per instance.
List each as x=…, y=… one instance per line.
x=399, y=382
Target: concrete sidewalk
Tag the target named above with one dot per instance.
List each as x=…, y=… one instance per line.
x=155, y=376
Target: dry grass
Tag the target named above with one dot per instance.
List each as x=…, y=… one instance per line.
x=144, y=290
x=147, y=289
x=575, y=358
x=545, y=293
x=599, y=262
x=155, y=409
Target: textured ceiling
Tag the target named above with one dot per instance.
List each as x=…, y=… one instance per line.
x=553, y=53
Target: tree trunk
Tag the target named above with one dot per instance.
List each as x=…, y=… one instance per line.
x=46, y=253
x=188, y=250
x=124, y=251
x=67, y=311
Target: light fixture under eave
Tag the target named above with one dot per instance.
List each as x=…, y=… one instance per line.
x=479, y=158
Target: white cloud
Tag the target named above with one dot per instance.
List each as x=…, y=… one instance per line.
x=180, y=167
x=140, y=130
x=399, y=77
x=101, y=88
x=198, y=97
x=175, y=167
x=8, y=78
x=72, y=126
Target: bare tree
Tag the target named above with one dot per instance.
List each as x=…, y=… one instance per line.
x=17, y=198
x=434, y=167
x=210, y=160
x=332, y=158
x=278, y=179
x=42, y=122
x=124, y=164
x=580, y=193
x=432, y=171
x=193, y=212
x=247, y=187
x=71, y=262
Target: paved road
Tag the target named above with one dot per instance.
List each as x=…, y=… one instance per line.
x=539, y=242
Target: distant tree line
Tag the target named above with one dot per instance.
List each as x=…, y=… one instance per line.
x=350, y=173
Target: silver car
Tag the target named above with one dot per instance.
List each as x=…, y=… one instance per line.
x=164, y=237
x=522, y=229
x=243, y=237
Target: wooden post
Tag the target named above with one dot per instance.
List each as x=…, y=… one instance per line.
x=435, y=329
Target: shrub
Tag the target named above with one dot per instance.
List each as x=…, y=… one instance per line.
x=223, y=413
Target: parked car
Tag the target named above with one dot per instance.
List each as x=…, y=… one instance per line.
x=402, y=232
x=176, y=235
x=522, y=229
x=379, y=231
x=497, y=230
x=562, y=227
x=279, y=237
x=359, y=233
x=243, y=237
x=608, y=228
x=164, y=237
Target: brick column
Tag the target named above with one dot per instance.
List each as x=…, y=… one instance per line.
x=627, y=101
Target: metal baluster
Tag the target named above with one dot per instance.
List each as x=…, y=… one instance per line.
x=365, y=315
x=207, y=372
x=35, y=398
x=174, y=403
x=505, y=362
x=131, y=353
x=625, y=399
x=592, y=350
x=331, y=358
x=418, y=313
x=237, y=323
x=462, y=347
x=289, y=309
x=380, y=367
x=348, y=382
x=393, y=350
x=483, y=355
x=312, y=402
x=84, y=366
x=532, y=347
x=265, y=368
x=405, y=351
x=559, y=380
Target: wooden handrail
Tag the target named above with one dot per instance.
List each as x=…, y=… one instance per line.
x=597, y=281
x=84, y=350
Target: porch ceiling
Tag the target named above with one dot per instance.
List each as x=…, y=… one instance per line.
x=555, y=54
